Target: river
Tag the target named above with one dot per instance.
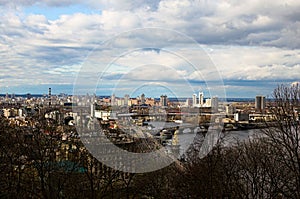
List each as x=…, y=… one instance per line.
x=212, y=137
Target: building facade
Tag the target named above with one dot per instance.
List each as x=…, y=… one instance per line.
x=260, y=102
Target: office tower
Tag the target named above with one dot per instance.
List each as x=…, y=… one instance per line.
x=143, y=100
x=163, y=100
x=194, y=100
x=214, y=104
x=260, y=102
x=201, y=99
x=113, y=100
x=126, y=100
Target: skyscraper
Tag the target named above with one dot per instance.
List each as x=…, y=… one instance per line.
x=126, y=99
x=201, y=99
x=214, y=104
x=194, y=100
x=92, y=110
x=143, y=100
x=113, y=100
x=260, y=102
x=163, y=100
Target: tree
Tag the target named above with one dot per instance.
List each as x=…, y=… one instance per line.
x=284, y=138
x=15, y=167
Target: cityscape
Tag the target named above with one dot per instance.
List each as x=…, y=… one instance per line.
x=85, y=135
x=149, y=99
x=20, y=108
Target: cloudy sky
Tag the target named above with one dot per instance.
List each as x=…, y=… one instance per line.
x=174, y=47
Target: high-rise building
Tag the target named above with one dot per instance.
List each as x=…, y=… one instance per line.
x=201, y=99
x=260, y=102
x=163, y=100
x=214, y=104
x=194, y=100
x=126, y=100
x=143, y=100
x=92, y=110
x=113, y=100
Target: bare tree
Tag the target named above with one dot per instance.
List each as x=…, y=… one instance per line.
x=283, y=135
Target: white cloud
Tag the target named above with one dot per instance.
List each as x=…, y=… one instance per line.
x=256, y=63
x=115, y=20
x=250, y=40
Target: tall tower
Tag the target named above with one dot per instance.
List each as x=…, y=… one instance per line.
x=49, y=96
x=113, y=100
x=143, y=100
x=93, y=109
x=214, y=104
x=194, y=100
x=163, y=100
x=126, y=100
x=201, y=99
x=260, y=102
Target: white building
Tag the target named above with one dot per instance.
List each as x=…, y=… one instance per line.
x=201, y=99
x=208, y=102
x=195, y=100
x=104, y=115
x=9, y=112
x=92, y=110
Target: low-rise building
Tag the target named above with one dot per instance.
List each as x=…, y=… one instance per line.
x=241, y=117
x=102, y=114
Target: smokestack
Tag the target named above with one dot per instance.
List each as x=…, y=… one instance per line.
x=49, y=96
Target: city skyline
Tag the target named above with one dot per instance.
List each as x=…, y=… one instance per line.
x=252, y=46
x=199, y=101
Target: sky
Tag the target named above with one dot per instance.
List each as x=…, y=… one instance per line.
x=226, y=48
